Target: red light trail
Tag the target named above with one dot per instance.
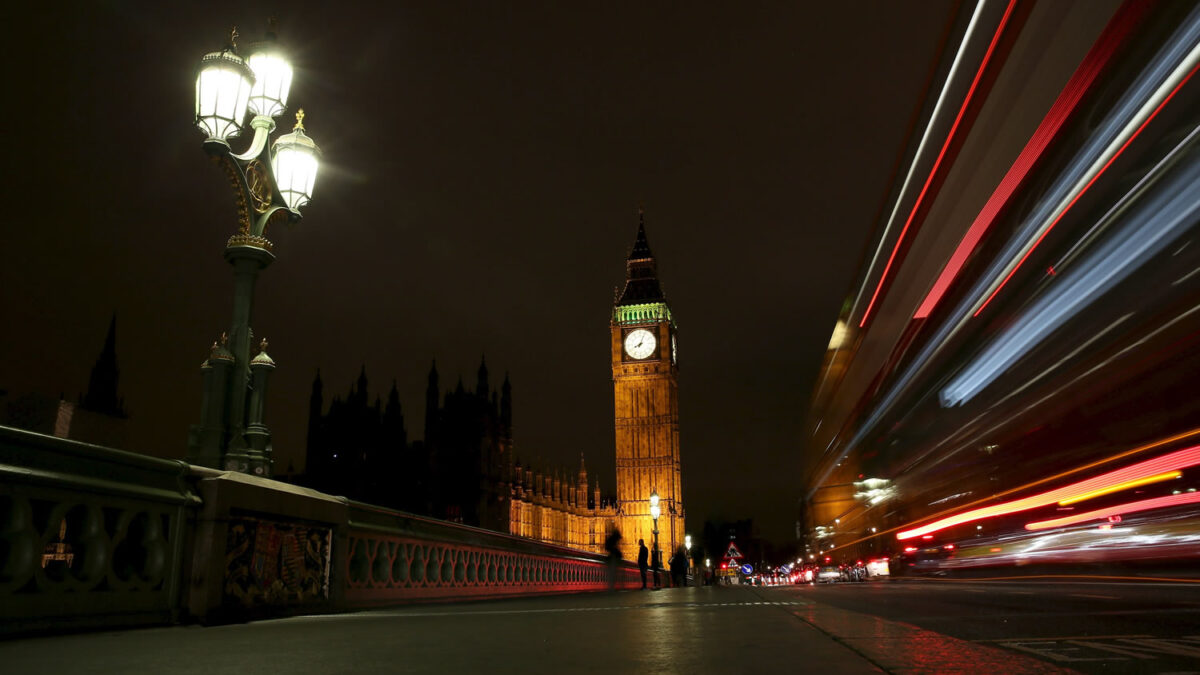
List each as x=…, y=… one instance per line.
x=1090, y=183
x=1080, y=83
x=937, y=163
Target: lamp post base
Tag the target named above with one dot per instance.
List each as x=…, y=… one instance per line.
x=247, y=461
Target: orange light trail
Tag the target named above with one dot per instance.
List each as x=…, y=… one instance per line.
x=1122, y=486
x=1179, y=459
x=1070, y=472
x=1047, y=479
x=1119, y=509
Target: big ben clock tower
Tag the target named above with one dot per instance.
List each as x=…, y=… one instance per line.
x=646, y=406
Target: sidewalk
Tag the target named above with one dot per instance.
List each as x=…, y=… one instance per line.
x=684, y=630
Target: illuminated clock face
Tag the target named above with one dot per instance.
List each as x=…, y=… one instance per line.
x=640, y=343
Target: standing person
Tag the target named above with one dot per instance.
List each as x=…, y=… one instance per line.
x=643, y=556
x=612, y=544
x=678, y=567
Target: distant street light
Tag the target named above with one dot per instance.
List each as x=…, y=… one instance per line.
x=655, y=512
x=687, y=545
x=270, y=183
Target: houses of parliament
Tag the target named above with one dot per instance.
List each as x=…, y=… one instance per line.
x=465, y=468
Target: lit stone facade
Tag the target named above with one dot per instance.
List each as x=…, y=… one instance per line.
x=646, y=408
x=556, y=511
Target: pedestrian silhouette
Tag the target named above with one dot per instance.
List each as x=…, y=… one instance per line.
x=612, y=544
x=678, y=567
x=643, y=559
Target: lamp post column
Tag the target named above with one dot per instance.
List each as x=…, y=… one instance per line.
x=656, y=555
x=243, y=456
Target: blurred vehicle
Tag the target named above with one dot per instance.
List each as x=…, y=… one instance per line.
x=829, y=574
x=802, y=575
x=927, y=559
x=878, y=567
x=1037, y=410
x=854, y=571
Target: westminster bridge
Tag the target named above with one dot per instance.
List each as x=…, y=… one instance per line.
x=117, y=562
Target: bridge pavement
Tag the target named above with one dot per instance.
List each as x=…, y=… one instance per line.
x=686, y=630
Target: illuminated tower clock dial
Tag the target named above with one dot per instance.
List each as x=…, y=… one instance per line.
x=640, y=343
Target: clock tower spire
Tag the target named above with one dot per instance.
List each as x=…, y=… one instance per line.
x=641, y=271
x=646, y=404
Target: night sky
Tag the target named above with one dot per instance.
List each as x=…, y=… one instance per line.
x=484, y=163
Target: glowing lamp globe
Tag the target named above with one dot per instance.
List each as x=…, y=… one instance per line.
x=294, y=159
x=223, y=85
x=273, y=80
x=654, y=498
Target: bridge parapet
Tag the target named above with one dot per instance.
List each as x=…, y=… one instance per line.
x=398, y=557
x=91, y=536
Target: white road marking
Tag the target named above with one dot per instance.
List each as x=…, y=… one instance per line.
x=1069, y=637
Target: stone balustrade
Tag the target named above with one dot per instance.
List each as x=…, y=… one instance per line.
x=396, y=556
x=91, y=536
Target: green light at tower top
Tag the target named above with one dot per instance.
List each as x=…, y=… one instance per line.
x=645, y=313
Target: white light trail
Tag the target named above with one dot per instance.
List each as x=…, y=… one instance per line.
x=1185, y=277
x=1150, y=226
x=1169, y=67
x=934, y=117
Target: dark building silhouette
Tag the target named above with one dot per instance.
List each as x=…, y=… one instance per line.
x=468, y=443
x=459, y=472
x=101, y=395
x=464, y=470
x=357, y=447
x=99, y=417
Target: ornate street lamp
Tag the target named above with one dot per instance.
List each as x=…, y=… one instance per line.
x=655, y=512
x=270, y=185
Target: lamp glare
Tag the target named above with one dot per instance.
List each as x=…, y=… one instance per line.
x=273, y=80
x=295, y=159
x=223, y=87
